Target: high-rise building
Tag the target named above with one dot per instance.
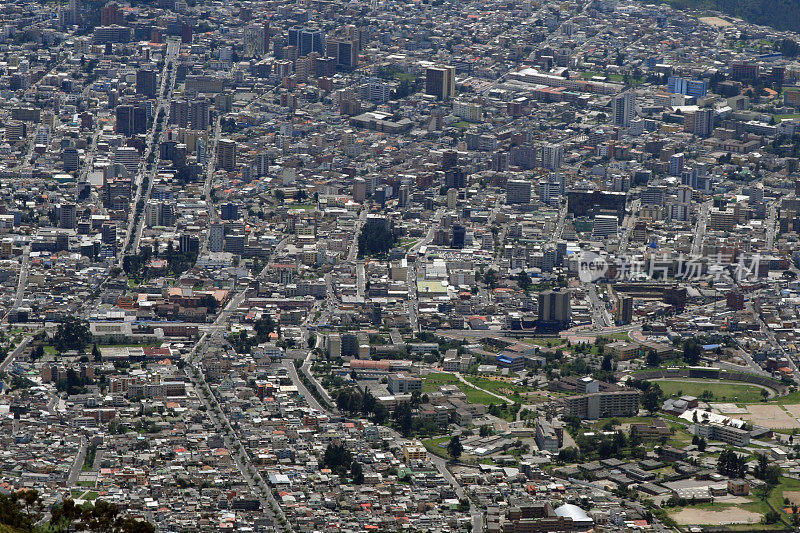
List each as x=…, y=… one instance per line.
x=199, y=111
x=459, y=235
x=111, y=15
x=703, y=122
x=552, y=189
x=552, y=156
x=735, y=300
x=229, y=211
x=70, y=159
x=605, y=225
x=554, y=308
x=307, y=40
x=678, y=85
x=676, y=163
x=359, y=190
x=109, y=233
x=131, y=120
x=73, y=12
x=440, y=82
x=624, y=109
x=189, y=244
x=344, y=51
x=625, y=310
x=179, y=113
x=68, y=216
x=128, y=157
x=518, y=192
x=226, y=154
x=216, y=237
x=146, y=83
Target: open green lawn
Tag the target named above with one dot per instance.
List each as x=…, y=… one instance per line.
x=786, y=484
x=400, y=76
x=432, y=445
x=508, y=390
x=544, y=342
x=723, y=392
x=435, y=380
x=778, y=118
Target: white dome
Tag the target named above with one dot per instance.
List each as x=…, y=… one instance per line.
x=573, y=511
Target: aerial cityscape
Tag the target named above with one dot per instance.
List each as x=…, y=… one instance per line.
x=520, y=266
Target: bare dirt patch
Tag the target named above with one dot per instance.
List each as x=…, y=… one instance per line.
x=771, y=416
x=730, y=515
x=793, y=495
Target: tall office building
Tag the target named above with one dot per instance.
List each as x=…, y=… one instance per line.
x=128, y=157
x=359, y=190
x=179, y=113
x=624, y=109
x=625, y=310
x=678, y=85
x=345, y=51
x=703, y=122
x=68, y=216
x=226, y=154
x=459, y=235
x=70, y=159
x=146, y=83
x=440, y=82
x=73, y=13
x=131, y=120
x=111, y=15
x=605, y=226
x=676, y=163
x=216, y=237
x=552, y=156
x=229, y=211
x=518, y=192
x=554, y=308
x=199, y=111
x=307, y=40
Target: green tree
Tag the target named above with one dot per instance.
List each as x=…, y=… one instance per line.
x=37, y=352
x=454, y=447
x=691, y=351
x=651, y=398
x=72, y=334
x=357, y=473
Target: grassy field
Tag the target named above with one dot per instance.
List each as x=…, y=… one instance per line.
x=723, y=392
x=786, y=484
x=509, y=390
x=400, y=76
x=435, y=380
x=778, y=118
x=432, y=445
x=544, y=342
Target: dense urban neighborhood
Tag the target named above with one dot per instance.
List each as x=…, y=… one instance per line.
x=518, y=266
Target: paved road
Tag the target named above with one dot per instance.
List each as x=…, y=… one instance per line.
x=17, y=351
x=75, y=471
x=288, y=364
